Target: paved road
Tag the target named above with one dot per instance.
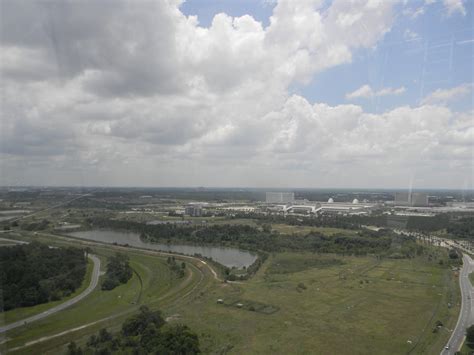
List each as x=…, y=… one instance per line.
x=466, y=315
x=64, y=305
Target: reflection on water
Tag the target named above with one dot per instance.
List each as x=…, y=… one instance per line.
x=226, y=256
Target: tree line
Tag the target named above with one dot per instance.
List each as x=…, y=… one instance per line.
x=34, y=273
x=257, y=239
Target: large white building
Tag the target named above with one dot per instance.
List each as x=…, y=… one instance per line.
x=417, y=199
x=280, y=197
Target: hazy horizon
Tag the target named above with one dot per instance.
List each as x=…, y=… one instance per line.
x=262, y=188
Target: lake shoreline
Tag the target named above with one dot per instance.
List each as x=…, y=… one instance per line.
x=229, y=257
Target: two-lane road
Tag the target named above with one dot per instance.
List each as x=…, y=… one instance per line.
x=466, y=315
x=64, y=305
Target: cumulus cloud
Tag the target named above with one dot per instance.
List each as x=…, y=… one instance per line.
x=365, y=91
x=454, y=6
x=410, y=35
x=414, y=13
x=443, y=96
x=94, y=93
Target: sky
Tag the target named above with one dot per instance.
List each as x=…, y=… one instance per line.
x=227, y=93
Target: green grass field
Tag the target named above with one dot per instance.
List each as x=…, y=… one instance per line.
x=297, y=303
x=363, y=306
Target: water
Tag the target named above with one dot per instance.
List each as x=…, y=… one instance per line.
x=9, y=212
x=5, y=215
x=229, y=257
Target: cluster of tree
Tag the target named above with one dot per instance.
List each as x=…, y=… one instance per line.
x=36, y=226
x=428, y=224
x=34, y=273
x=325, y=220
x=118, y=271
x=470, y=335
x=252, y=269
x=365, y=242
x=243, y=236
x=457, y=227
x=144, y=333
x=404, y=246
x=462, y=228
x=178, y=269
x=454, y=254
x=258, y=239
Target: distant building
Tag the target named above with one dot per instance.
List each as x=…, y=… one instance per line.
x=417, y=199
x=402, y=199
x=280, y=197
x=193, y=210
x=303, y=208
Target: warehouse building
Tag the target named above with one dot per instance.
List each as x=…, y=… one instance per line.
x=416, y=199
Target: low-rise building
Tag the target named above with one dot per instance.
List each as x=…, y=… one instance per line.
x=193, y=210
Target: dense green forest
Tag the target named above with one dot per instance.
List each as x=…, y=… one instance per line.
x=258, y=239
x=144, y=333
x=35, y=273
x=462, y=228
x=118, y=271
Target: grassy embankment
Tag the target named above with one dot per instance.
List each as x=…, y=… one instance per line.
x=158, y=287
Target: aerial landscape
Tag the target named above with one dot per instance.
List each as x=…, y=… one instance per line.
x=244, y=270
x=237, y=177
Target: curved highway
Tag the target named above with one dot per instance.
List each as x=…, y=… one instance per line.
x=64, y=305
x=465, y=315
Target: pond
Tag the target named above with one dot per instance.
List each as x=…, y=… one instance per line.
x=230, y=257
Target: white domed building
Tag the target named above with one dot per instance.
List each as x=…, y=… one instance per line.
x=355, y=201
x=330, y=200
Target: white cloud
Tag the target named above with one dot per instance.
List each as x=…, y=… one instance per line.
x=443, y=96
x=414, y=13
x=410, y=35
x=140, y=94
x=366, y=91
x=454, y=6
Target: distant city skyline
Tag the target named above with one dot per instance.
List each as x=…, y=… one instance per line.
x=219, y=93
